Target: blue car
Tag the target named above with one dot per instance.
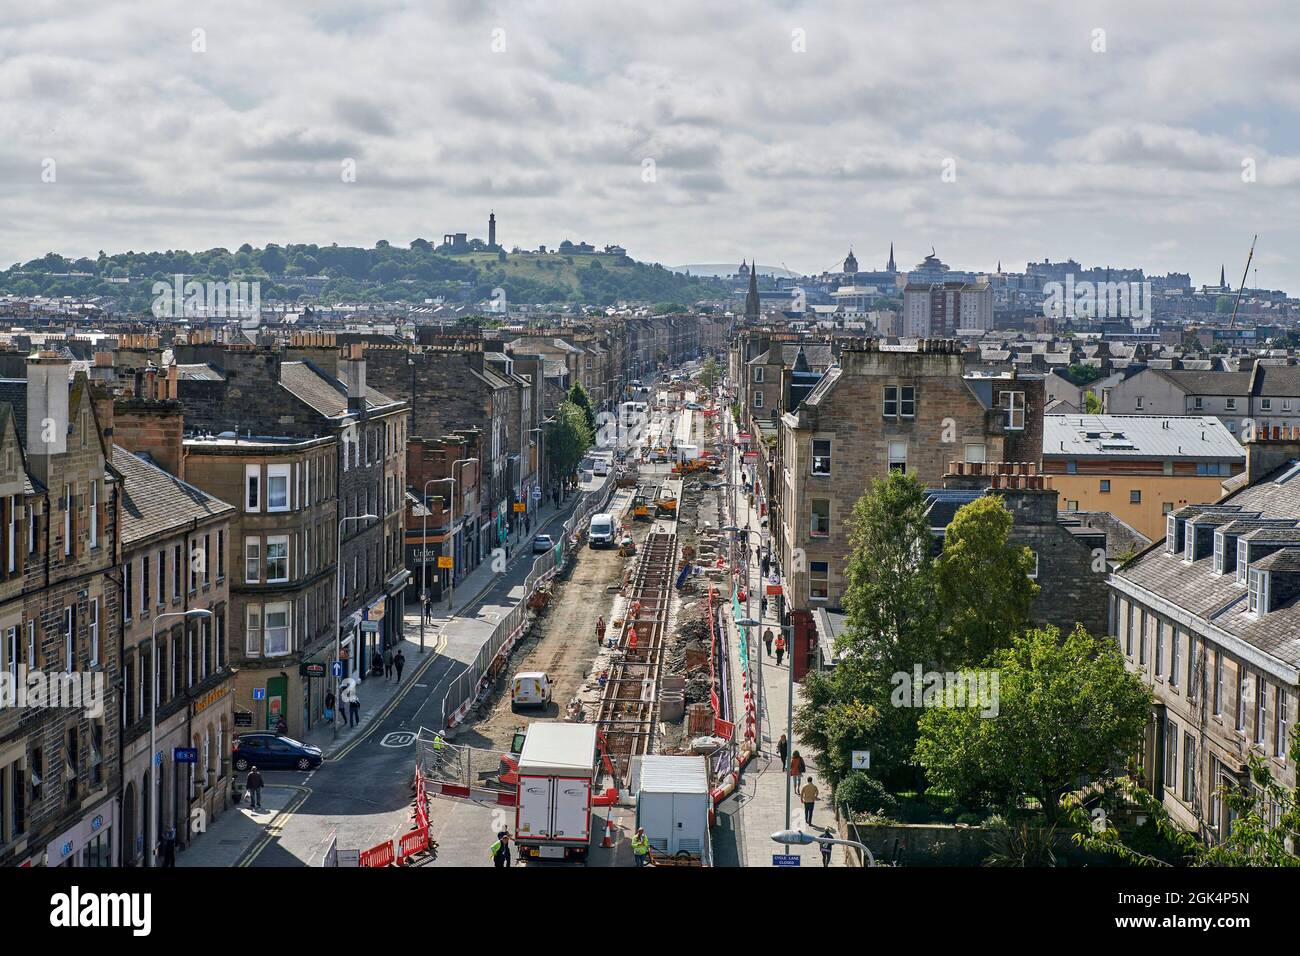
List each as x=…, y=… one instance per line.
x=265, y=750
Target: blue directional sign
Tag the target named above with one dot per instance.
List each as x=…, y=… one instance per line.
x=336, y=669
x=784, y=859
x=537, y=494
x=259, y=693
x=185, y=754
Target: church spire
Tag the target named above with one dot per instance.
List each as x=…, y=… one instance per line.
x=1223, y=281
x=751, y=298
x=891, y=267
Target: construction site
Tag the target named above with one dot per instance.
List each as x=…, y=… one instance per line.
x=626, y=647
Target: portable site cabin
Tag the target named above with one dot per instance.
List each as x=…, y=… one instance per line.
x=672, y=804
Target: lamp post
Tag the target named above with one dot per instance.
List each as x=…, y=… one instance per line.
x=155, y=758
x=537, y=475
x=338, y=609
x=424, y=547
x=801, y=838
x=451, y=533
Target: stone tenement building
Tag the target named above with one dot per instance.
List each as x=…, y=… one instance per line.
x=1209, y=619
x=910, y=408
x=60, y=770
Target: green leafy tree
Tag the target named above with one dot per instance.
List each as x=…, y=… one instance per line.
x=1066, y=709
x=1091, y=403
x=984, y=584
x=567, y=440
x=578, y=396
x=709, y=373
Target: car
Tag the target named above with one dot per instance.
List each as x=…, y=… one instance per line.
x=266, y=750
x=601, y=468
x=542, y=543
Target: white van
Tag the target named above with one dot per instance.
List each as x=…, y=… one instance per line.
x=600, y=534
x=530, y=689
x=601, y=468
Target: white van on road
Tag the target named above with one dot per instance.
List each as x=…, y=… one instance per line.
x=600, y=533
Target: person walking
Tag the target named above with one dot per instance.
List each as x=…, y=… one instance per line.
x=768, y=637
x=809, y=795
x=641, y=847
x=253, y=784
x=388, y=663
x=329, y=705
x=783, y=748
x=796, y=767
x=600, y=631
x=376, y=662
x=780, y=648
x=169, y=847
x=354, y=707
x=428, y=607
x=827, y=847
x=398, y=663
x=281, y=726
x=500, y=852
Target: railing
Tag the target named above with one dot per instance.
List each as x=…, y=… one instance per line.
x=466, y=688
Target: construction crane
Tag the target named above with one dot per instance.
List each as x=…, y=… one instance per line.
x=1241, y=288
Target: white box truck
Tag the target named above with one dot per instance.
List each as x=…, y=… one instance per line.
x=556, y=773
x=672, y=804
x=687, y=453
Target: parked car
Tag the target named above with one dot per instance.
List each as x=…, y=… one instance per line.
x=542, y=543
x=264, y=749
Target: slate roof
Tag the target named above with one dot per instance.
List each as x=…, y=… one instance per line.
x=200, y=372
x=1208, y=383
x=1139, y=436
x=1218, y=599
x=155, y=503
x=325, y=395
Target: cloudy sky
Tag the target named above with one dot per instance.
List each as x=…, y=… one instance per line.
x=686, y=131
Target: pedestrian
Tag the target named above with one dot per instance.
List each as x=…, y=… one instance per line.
x=796, y=767
x=329, y=705
x=398, y=663
x=253, y=784
x=281, y=726
x=428, y=607
x=600, y=630
x=780, y=649
x=354, y=707
x=388, y=663
x=762, y=608
x=377, y=662
x=809, y=795
x=500, y=852
x=768, y=637
x=169, y=847
x=641, y=847
x=828, y=834
x=783, y=748
x=766, y=564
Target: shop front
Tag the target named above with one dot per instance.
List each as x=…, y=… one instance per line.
x=89, y=842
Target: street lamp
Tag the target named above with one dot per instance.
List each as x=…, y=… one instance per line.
x=424, y=546
x=155, y=758
x=801, y=838
x=338, y=608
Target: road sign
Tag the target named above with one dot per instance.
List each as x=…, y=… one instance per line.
x=520, y=506
x=537, y=494
x=243, y=718
x=185, y=754
x=259, y=693
x=370, y=627
x=862, y=760
x=774, y=589
x=446, y=561
x=784, y=859
x=336, y=669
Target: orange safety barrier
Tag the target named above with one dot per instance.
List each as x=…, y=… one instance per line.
x=377, y=856
x=414, y=842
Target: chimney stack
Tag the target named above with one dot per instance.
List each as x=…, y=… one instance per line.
x=353, y=362
x=47, y=410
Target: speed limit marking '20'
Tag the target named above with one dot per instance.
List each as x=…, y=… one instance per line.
x=398, y=738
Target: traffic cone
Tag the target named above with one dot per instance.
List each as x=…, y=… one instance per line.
x=607, y=843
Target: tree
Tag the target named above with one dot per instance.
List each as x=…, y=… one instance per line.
x=578, y=396
x=567, y=440
x=709, y=373
x=1091, y=403
x=984, y=584
x=1065, y=709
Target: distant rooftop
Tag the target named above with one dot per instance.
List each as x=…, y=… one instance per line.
x=1139, y=436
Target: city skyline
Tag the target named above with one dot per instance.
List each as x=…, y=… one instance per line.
x=772, y=134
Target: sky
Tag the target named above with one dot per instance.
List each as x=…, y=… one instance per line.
x=1161, y=135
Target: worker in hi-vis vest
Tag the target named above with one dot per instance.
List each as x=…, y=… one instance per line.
x=500, y=852
x=641, y=847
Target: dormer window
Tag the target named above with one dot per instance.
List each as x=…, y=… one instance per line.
x=1257, y=593
x=1243, y=560
x=1171, y=534
x=1218, y=552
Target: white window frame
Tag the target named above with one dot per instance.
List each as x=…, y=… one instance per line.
x=274, y=475
x=825, y=579
x=897, y=461
x=253, y=631
x=69, y=636
x=828, y=458
x=252, y=489
x=285, y=630
x=253, y=560
x=279, y=541
x=1013, y=403
x=92, y=625
x=94, y=514
x=67, y=520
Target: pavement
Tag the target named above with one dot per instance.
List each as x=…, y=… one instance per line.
x=756, y=810
x=361, y=793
